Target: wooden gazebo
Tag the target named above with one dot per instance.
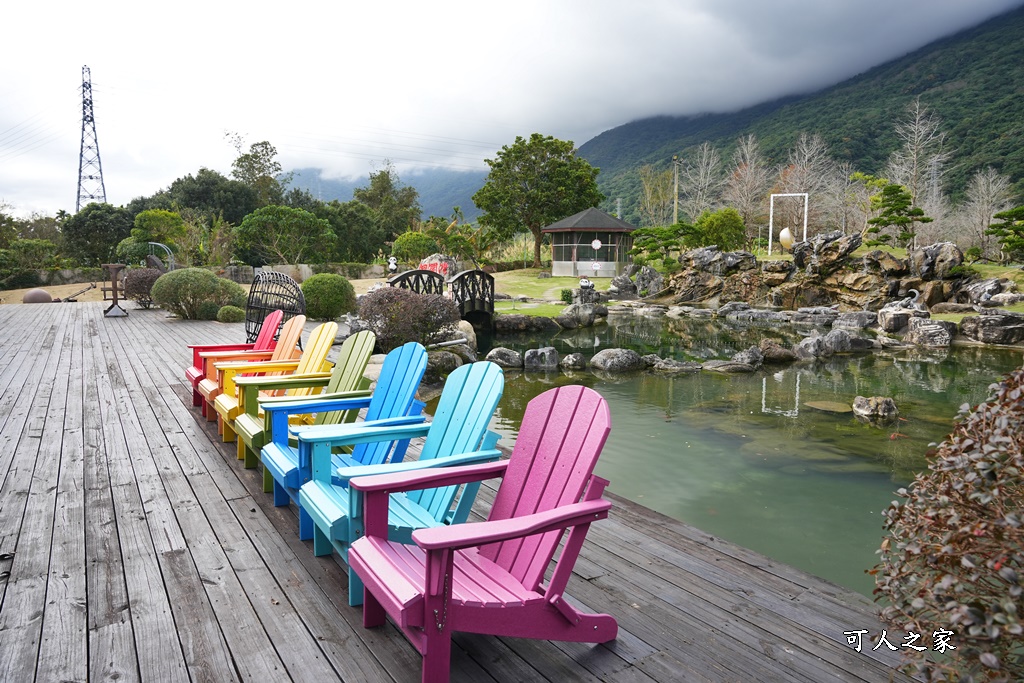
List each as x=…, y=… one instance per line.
x=573, y=242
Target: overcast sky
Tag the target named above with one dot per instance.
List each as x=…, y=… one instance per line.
x=343, y=86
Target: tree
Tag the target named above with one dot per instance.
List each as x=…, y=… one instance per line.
x=359, y=237
x=918, y=163
x=865, y=194
x=92, y=234
x=810, y=169
x=260, y=170
x=897, y=211
x=395, y=207
x=747, y=186
x=657, y=242
x=39, y=227
x=8, y=226
x=656, y=200
x=413, y=246
x=155, y=225
x=700, y=181
x=281, y=234
x=723, y=228
x=988, y=193
x=534, y=183
x=1010, y=232
x=214, y=195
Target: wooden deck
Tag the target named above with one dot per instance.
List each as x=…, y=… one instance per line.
x=143, y=551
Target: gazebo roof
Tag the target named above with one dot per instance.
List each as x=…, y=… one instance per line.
x=590, y=219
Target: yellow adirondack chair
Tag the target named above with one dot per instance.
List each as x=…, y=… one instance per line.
x=313, y=360
x=345, y=381
x=287, y=348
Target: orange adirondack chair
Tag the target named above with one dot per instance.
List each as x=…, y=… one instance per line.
x=312, y=362
x=487, y=577
x=265, y=342
x=287, y=348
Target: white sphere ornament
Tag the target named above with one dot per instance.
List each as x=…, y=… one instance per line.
x=786, y=238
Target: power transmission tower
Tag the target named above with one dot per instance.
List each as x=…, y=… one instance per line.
x=90, y=168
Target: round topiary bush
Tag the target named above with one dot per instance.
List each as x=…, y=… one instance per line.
x=398, y=316
x=138, y=285
x=231, y=314
x=192, y=293
x=328, y=295
x=412, y=247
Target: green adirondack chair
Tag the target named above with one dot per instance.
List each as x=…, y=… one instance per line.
x=393, y=401
x=345, y=381
x=457, y=435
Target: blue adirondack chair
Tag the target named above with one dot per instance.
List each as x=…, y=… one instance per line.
x=393, y=401
x=487, y=577
x=457, y=435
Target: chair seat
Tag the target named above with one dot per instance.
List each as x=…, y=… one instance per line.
x=400, y=570
x=328, y=505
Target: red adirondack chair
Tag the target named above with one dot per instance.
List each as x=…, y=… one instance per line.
x=196, y=372
x=487, y=577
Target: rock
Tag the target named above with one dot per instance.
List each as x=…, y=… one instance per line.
x=622, y=287
x=516, y=322
x=810, y=348
x=751, y=356
x=727, y=366
x=464, y=352
x=617, y=360
x=1006, y=298
x=566, y=322
x=649, y=282
x=774, y=273
x=825, y=253
x=997, y=328
x=732, y=306
x=760, y=315
x=588, y=296
x=949, y=307
x=935, y=261
x=505, y=358
x=879, y=409
x=669, y=366
x=573, y=361
x=543, y=274
x=439, y=263
x=582, y=314
x=837, y=341
x=893, y=320
x=886, y=264
x=36, y=296
x=651, y=359
x=695, y=285
x=773, y=352
x=439, y=365
x=927, y=332
x=855, y=320
x=983, y=291
x=543, y=359
x=815, y=315
x=466, y=330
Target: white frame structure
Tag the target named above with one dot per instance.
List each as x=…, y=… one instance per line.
x=771, y=214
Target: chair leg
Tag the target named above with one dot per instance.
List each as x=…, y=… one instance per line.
x=229, y=433
x=197, y=399
x=305, y=525
x=240, y=450
x=281, y=497
x=355, y=588
x=321, y=543
x=437, y=655
x=373, y=612
x=268, y=481
x=211, y=414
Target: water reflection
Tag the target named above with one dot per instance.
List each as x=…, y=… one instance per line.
x=763, y=459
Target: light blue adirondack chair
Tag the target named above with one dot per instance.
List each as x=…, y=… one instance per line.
x=393, y=401
x=457, y=435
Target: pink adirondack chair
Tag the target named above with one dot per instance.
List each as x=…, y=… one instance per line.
x=196, y=372
x=487, y=577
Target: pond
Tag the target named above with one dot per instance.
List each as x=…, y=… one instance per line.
x=761, y=459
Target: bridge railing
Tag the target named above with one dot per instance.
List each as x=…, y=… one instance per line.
x=473, y=291
x=419, y=281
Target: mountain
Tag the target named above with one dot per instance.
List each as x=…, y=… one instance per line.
x=973, y=81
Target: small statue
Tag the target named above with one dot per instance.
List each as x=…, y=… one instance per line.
x=392, y=265
x=585, y=283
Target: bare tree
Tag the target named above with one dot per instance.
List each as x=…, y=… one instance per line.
x=810, y=169
x=747, y=186
x=700, y=181
x=918, y=164
x=656, y=198
x=988, y=193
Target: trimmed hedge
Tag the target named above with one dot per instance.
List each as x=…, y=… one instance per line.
x=328, y=296
x=196, y=294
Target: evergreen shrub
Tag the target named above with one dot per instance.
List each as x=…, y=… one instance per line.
x=328, y=296
x=231, y=314
x=196, y=293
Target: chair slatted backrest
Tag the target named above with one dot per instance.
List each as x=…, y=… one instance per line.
x=468, y=401
x=314, y=357
x=551, y=464
x=288, y=339
x=268, y=332
x=400, y=377
x=349, y=367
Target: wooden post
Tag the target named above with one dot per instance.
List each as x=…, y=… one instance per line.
x=114, y=310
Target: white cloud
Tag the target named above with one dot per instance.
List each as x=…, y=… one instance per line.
x=343, y=85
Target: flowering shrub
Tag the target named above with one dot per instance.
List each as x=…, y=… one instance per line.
x=955, y=551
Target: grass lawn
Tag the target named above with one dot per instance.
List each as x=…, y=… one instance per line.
x=525, y=282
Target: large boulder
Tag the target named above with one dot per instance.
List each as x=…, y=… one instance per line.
x=981, y=292
x=928, y=332
x=439, y=365
x=717, y=262
x=649, y=282
x=541, y=360
x=621, y=287
x=774, y=273
x=875, y=409
x=751, y=356
x=994, y=328
x=826, y=253
x=617, y=360
x=573, y=361
x=855, y=320
x=936, y=261
x=773, y=352
x=694, y=285
x=511, y=323
x=505, y=358
x=669, y=366
x=885, y=264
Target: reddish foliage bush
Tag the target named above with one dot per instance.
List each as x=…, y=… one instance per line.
x=399, y=315
x=955, y=552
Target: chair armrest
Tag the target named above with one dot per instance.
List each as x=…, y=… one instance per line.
x=312, y=379
x=316, y=404
x=199, y=349
x=349, y=473
x=363, y=432
x=429, y=478
x=226, y=371
x=481, y=533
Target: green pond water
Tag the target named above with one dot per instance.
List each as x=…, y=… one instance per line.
x=749, y=458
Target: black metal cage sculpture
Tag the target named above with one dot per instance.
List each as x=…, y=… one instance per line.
x=271, y=291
